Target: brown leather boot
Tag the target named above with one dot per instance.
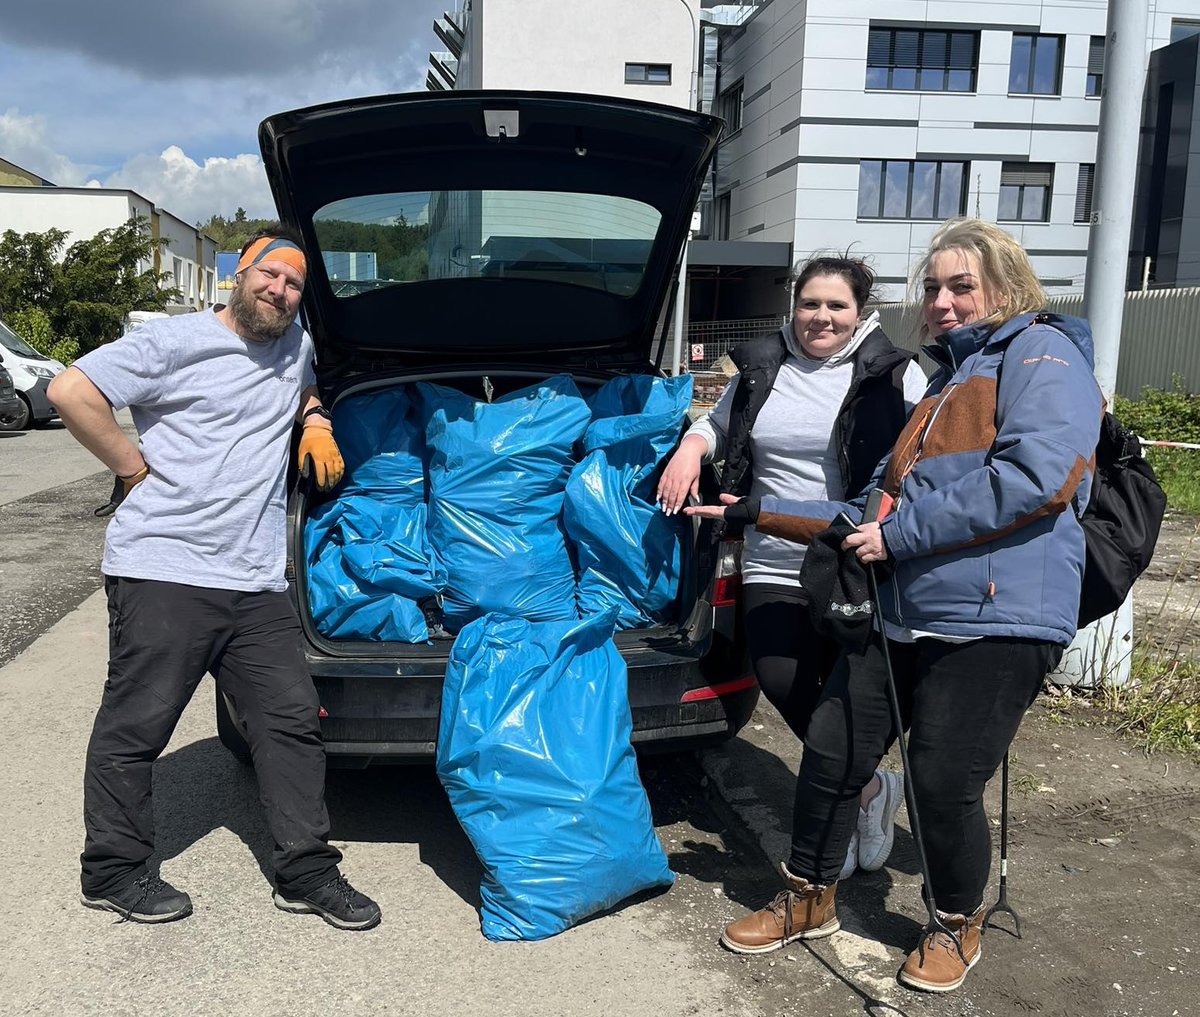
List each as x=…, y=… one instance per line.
x=802, y=911
x=942, y=969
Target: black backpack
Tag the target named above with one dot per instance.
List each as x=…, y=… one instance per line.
x=1123, y=515
x=1121, y=522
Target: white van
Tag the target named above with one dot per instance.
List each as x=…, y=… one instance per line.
x=135, y=318
x=31, y=374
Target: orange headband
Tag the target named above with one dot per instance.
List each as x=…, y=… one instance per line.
x=273, y=249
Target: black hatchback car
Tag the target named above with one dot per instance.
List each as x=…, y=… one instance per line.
x=486, y=241
x=11, y=409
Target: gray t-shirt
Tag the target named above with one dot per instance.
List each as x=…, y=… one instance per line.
x=792, y=445
x=214, y=414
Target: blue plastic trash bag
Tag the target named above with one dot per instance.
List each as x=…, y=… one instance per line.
x=369, y=560
x=496, y=483
x=630, y=554
x=534, y=753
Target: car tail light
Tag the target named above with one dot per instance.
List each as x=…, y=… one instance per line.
x=727, y=588
x=322, y=713
x=721, y=689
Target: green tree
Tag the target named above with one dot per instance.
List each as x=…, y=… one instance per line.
x=231, y=234
x=28, y=268
x=105, y=277
x=85, y=295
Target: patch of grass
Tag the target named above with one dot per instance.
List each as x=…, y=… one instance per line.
x=1173, y=415
x=1160, y=705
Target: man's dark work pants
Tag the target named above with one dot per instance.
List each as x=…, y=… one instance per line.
x=163, y=637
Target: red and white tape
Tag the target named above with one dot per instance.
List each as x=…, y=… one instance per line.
x=1170, y=444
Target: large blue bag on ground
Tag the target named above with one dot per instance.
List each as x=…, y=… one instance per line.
x=533, y=750
x=369, y=559
x=629, y=553
x=497, y=476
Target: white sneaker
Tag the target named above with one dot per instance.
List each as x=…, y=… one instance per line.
x=851, y=862
x=877, y=823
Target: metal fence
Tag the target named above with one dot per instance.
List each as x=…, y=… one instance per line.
x=1160, y=336
x=709, y=341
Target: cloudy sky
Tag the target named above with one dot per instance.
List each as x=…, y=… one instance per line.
x=165, y=98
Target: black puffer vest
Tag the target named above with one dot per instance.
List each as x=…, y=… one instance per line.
x=871, y=416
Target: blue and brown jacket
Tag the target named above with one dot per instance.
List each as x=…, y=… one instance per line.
x=983, y=476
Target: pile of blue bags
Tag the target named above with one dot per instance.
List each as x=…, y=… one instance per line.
x=528, y=527
x=538, y=505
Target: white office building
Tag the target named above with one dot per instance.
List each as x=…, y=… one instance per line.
x=855, y=126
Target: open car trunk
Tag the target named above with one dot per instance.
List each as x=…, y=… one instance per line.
x=681, y=631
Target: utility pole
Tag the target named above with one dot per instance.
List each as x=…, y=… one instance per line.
x=1116, y=173
x=1101, y=652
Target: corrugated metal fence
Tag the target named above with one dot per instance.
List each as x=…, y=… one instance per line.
x=1160, y=336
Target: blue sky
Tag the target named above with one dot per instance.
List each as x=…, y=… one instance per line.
x=165, y=98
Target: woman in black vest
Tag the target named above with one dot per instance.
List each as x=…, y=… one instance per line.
x=810, y=414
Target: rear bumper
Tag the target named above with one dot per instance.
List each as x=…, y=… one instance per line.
x=386, y=718
x=10, y=407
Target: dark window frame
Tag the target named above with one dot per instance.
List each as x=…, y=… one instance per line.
x=732, y=98
x=938, y=213
x=1085, y=186
x=1095, y=67
x=921, y=60
x=634, y=76
x=1036, y=40
x=723, y=215
x=1020, y=174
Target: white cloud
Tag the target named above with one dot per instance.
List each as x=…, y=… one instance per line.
x=194, y=191
x=23, y=141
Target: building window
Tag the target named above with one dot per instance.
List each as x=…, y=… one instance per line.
x=1181, y=28
x=729, y=108
x=1025, y=191
x=1036, y=66
x=647, y=74
x=924, y=60
x=724, y=207
x=1095, y=72
x=1083, y=192
x=900, y=189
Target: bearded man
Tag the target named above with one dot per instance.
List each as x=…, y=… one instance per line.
x=194, y=571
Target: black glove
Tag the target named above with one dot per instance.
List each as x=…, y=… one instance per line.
x=744, y=512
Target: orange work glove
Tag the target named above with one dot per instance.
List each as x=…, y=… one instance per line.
x=320, y=457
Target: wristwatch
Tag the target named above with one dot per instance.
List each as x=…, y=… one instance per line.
x=320, y=411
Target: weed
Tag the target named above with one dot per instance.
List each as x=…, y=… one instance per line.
x=1160, y=705
x=1173, y=415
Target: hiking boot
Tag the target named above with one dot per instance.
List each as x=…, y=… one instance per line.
x=337, y=902
x=851, y=862
x=877, y=822
x=802, y=911
x=942, y=969
x=148, y=899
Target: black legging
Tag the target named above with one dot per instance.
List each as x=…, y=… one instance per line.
x=791, y=661
x=963, y=703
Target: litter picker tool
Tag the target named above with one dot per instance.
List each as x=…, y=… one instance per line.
x=879, y=504
x=1002, y=905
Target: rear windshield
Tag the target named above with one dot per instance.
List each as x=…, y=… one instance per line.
x=596, y=241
